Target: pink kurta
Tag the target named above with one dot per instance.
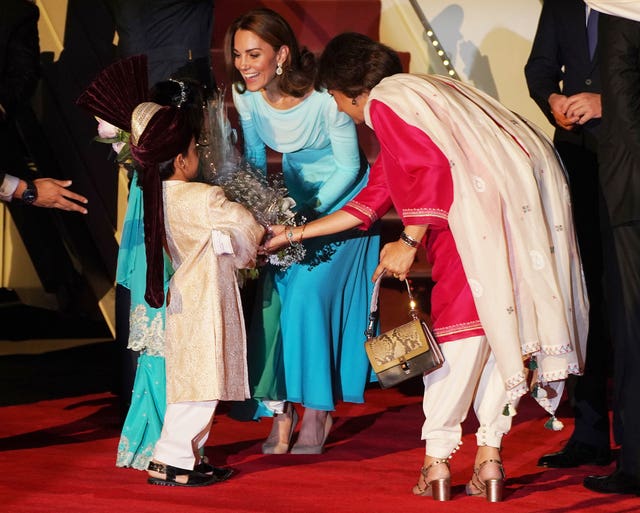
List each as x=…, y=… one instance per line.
x=414, y=174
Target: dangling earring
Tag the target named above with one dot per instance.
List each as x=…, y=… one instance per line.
x=354, y=102
x=279, y=69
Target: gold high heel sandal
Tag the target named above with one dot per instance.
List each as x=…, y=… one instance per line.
x=439, y=489
x=491, y=488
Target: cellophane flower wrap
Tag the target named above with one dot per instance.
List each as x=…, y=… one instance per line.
x=222, y=165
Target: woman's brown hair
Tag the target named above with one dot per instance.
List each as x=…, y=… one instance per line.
x=299, y=70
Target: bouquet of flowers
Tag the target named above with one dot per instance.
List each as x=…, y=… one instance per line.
x=222, y=165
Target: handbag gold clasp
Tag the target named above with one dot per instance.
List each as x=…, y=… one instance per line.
x=404, y=365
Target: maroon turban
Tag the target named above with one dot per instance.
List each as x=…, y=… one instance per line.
x=158, y=134
x=117, y=90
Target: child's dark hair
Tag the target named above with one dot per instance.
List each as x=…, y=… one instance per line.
x=187, y=95
x=165, y=169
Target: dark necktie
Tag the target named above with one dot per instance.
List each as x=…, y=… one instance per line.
x=592, y=32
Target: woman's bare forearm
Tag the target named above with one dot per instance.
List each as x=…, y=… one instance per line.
x=333, y=223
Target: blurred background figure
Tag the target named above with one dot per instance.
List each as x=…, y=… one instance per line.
x=564, y=80
x=175, y=35
x=619, y=170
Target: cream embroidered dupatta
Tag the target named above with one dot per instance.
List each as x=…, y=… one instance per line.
x=511, y=220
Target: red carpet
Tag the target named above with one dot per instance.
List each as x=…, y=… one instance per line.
x=58, y=456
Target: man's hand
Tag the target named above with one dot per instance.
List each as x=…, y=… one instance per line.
x=559, y=107
x=54, y=194
x=584, y=107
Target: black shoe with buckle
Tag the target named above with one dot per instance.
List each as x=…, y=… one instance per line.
x=618, y=482
x=575, y=454
x=171, y=473
x=221, y=474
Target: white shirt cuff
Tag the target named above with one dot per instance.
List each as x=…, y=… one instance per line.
x=8, y=187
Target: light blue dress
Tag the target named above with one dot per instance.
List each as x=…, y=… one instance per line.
x=143, y=424
x=306, y=339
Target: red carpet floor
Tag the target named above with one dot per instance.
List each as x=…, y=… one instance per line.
x=58, y=456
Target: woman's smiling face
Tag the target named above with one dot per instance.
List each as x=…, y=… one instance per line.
x=255, y=59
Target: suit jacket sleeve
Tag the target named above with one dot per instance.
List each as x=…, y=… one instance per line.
x=20, y=70
x=619, y=145
x=543, y=70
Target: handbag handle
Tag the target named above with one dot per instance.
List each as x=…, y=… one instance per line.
x=370, y=332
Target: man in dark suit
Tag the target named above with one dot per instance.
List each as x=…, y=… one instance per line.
x=563, y=78
x=619, y=34
x=174, y=34
x=19, y=75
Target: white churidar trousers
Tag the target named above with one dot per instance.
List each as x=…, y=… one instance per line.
x=469, y=375
x=184, y=432
x=277, y=407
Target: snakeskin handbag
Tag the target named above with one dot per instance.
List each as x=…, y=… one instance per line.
x=403, y=352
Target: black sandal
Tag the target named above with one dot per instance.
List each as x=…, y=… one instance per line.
x=194, y=478
x=221, y=474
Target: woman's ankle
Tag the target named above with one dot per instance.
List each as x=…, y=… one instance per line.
x=486, y=453
x=488, y=463
x=436, y=468
x=312, y=429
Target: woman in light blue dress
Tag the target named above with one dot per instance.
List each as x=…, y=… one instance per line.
x=306, y=337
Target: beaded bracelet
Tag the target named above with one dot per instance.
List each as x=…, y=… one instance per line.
x=409, y=241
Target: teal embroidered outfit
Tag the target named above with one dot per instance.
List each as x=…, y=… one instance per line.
x=143, y=424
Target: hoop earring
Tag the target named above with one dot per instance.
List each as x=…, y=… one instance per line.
x=279, y=69
x=354, y=101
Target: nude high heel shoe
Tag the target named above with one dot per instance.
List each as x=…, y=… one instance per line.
x=490, y=488
x=273, y=445
x=439, y=489
x=315, y=449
